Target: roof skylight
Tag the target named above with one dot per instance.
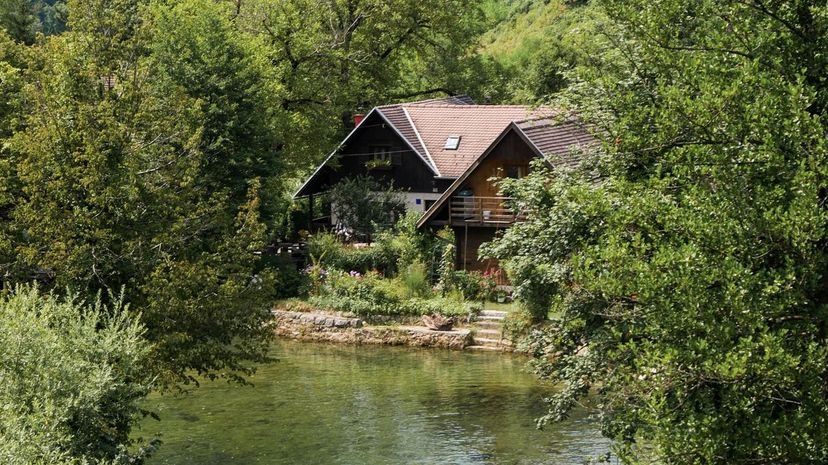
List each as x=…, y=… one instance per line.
x=452, y=143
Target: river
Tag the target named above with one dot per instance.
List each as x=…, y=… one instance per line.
x=331, y=404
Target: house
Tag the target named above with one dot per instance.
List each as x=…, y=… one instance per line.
x=442, y=153
x=472, y=206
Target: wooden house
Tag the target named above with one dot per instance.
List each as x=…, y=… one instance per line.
x=472, y=205
x=443, y=154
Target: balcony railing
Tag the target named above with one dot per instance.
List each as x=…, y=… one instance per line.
x=482, y=211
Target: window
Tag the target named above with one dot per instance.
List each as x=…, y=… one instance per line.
x=381, y=153
x=515, y=171
x=452, y=143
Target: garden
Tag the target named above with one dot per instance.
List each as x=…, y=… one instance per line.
x=402, y=275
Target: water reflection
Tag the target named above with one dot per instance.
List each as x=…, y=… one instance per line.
x=328, y=404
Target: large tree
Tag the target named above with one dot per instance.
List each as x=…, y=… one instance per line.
x=685, y=266
x=334, y=58
x=144, y=136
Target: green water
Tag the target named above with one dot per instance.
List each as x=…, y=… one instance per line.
x=331, y=404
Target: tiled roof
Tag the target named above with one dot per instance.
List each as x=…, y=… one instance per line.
x=427, y=124
x=557, y=140
x=396, y=115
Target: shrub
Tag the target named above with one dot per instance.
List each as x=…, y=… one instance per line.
x=517, y=325
x=326, y=250
x=415, y=279
x=370, y=295
x=412, y=245
x=324, y=247
x=73, y=376
x=363, y=206
x=475, y=286
x=290, y=282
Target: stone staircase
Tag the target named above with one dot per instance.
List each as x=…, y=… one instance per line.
x=488, y=332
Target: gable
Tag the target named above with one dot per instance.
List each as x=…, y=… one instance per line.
x=374, y=133
x=557, y=142
x=511, y=147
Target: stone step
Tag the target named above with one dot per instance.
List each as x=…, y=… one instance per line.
x=490, y=318
x=489, y=332
x=499, y=313
x=488, y=341
x=489, y=324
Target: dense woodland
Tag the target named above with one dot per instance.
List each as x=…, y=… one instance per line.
x=148, y=150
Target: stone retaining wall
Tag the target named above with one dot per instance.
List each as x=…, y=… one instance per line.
x=335, y=328
x=317, y=319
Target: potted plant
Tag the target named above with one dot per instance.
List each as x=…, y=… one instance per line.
x=378, y=164
x=501, y=296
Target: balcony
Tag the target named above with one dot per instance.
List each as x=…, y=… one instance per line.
x=482, y=211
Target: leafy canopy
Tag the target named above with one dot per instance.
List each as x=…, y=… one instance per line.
x=133, y=161
x=688, y=284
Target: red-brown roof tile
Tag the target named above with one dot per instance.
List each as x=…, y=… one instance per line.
x=477, y=125
x=559, y=141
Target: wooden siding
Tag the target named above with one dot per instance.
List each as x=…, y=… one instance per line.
x=469, y=240
x=407, y=171
x=512, y=151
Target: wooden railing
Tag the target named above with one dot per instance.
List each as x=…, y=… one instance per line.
x=482, y=211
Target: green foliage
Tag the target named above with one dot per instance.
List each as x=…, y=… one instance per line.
x=73, y=378
x=19, y=19
x=690, y=280
x=446, y=272
x=372, y=295
x=415, y=279
x=337, y=57
x=474, y=286
x=330, y=253
x=538, y=44
x=413, y=245
x=290, y=282
x=363, y=206
x=517, y=326
x=137, y=164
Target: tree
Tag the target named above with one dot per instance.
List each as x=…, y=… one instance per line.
x=74, y=375
x=139, y=164
x=334, y=58
x=362, y=206
x=20, y=19
x=690, y=284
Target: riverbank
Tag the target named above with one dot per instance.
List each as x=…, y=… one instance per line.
x=332, y=327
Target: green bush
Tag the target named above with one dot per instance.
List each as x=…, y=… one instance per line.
x=72, y=377
x=415, y=279
x=475, y=286
x=381, y=256
x=517, y=325
x=290, y=282
x=324, y=247
x=371, y=295
x=412, y=245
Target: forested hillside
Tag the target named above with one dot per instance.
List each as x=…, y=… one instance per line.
x=537, y=43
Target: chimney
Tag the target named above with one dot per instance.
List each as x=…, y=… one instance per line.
x=358, y=118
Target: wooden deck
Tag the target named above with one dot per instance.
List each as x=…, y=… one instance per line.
x=482, y=211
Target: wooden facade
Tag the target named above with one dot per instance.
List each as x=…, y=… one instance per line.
x=376, y=140
x=509, y=158
x=473, y=206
